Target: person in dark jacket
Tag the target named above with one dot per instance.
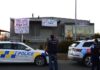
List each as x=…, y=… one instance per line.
x=95, y=55
x=52, y=44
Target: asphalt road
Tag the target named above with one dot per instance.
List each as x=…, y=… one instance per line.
x=63, y=65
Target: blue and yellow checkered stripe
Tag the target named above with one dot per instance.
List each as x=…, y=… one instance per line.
x=7, y=54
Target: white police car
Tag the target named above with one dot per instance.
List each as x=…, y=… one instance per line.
x=81, y=51
x=17, y=52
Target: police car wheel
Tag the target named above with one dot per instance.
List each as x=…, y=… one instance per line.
x=87, y=61
x=40, y=61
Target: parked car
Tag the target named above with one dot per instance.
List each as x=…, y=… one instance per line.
x=80, y=51
x=18, y=52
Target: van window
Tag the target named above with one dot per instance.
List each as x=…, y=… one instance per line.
x=87, y=44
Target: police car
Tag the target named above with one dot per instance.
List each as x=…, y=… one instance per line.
x=18, y=52
x=80, y=51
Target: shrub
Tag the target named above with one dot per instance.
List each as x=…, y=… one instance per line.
x=63, y=46
x=42, y=46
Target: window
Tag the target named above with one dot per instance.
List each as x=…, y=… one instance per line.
x=18, y=47
x=5, y=46
x=87, y=44
x=75, y=44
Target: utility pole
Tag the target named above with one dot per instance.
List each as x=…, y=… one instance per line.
x=32, y=15
x=21, y=37
x=75, y=19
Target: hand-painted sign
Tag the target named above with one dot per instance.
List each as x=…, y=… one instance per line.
x=21, y=26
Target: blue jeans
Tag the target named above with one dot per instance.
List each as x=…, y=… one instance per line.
x=53, y=64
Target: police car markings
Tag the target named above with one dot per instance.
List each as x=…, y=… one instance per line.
x=36, y=54
x=22, y=53
x=7, y=54
x=13, y=54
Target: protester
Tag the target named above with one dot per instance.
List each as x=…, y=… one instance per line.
x=95, y=55
x=52, y=44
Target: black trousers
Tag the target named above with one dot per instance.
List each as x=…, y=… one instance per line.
x=96, y=66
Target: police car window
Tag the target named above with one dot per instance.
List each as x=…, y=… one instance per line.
x=18, y=47
x=5, y=46
x=75, y=44
x=87, y=44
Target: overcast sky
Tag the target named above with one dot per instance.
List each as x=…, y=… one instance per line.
x=86, y=10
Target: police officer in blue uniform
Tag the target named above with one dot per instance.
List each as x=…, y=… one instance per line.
x=95, y=55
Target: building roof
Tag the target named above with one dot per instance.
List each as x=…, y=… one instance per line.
x=62, y=20
x=1, y=30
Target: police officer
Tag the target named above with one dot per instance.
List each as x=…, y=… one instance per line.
x=95, y=55
x=52, y=44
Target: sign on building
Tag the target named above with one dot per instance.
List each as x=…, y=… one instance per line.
x=21, y=26
x=49, y=22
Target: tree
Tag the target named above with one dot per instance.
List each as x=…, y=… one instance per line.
x=96, y=35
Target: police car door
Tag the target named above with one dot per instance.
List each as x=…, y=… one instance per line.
x=22, y=55
x=6, y=53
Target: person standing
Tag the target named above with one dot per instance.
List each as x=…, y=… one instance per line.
x=95, y=55
x=52, y=45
